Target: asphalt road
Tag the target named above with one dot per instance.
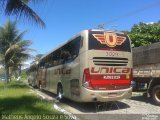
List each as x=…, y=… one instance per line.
x=138, y=107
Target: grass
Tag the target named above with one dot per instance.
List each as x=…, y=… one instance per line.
x=17, y=98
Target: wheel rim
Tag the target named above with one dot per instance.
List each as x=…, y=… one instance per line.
x=157, y=95
x=60, y=93
x=40, y=86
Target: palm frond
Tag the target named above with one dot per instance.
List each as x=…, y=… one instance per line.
x=26, y=1
x=2, y=4
x=20, y=9
x=36, y=1
x=24, y=43
x=33, y=1
x=19, y=46
x=25, y=56
x=12, y=49
x=8, y=33
x=28, y=50
x=19, y=36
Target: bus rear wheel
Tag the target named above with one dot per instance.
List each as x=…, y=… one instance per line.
x=60, y=93
x=156, y=94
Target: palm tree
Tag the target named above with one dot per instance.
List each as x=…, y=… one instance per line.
x=38, y=57
x=13, y=50
x=21, y=9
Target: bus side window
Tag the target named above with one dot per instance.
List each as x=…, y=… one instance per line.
x=45, y=65
x=74, y=47
x=65, y=55
x=70, y=51
x=56, y=60
x=47, y=62
x=41, y=65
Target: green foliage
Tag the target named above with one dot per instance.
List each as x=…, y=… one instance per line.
x=144, y=34
x=13, y=49
x=17, y=98
x=23, y=75
x=2, y=71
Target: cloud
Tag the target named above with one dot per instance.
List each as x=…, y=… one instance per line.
x=148, y=23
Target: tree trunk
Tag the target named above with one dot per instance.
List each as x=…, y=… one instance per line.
x=10, y=73
x=20, y=67
x=7, y=74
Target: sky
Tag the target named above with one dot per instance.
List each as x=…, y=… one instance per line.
x=66, y=18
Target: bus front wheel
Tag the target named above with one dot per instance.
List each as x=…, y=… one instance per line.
x=156, y=94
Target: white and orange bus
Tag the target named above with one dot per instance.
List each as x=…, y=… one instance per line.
x=94, y=65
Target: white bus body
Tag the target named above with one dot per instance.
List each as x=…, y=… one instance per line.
x=95, y=65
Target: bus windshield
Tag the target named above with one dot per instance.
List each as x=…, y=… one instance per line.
x=100, y=40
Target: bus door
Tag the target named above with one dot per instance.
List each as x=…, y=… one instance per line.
x=41, y=78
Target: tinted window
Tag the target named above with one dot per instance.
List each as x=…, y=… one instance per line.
x=71, y=50
x=108, y=41
x=65, y=54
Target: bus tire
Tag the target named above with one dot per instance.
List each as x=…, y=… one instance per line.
x=156, y=94
x=40, y=87
x=60, y=93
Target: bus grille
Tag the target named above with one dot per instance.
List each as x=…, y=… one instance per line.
x=110, y=61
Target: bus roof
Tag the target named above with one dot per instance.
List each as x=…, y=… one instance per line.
x=109, y=31
x=89, y=30
x=35, y=63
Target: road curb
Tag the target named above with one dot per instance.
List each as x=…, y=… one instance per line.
x=71, y=116
x=55, y=106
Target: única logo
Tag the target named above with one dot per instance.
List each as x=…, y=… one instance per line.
x=110, y=39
